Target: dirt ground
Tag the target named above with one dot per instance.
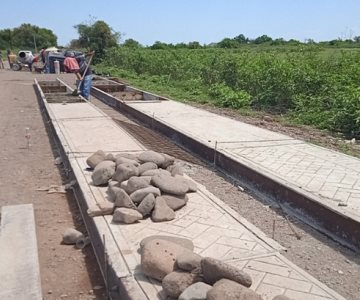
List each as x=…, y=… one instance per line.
x=66, y=272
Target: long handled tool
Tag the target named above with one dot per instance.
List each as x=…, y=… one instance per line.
x=76, y=92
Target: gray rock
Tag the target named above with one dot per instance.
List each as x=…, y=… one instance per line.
x=94, y=159
x=168, y=160
x=71, y=235
x=139, y=195
x=214, y=270
x=154, y=172
x=226, y=289
x=176, y=170
x=147, y=166
x=152, y=156
x=113, y=187
x=110, y=156
x=122, y=199
x=162, y=212
x=136, y=183
x=158, y=257
x=281, y=297
x=103, y=172
x=123, y=160
x=175, y=202
x=126, y=215
x=170, y=185
x=176, y=282
x=192, y=186
x=185, y=243
x=189, y=261
x=124, y=172
x=196, y=291
x=131, y=156
x=146, y=205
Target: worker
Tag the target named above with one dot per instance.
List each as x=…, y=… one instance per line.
x=11, y=58
x=84, y=74
x=70, y=63
x=1, y=62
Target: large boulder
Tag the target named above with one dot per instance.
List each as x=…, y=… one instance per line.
x=162, y=212
x=176, y=169
x=214, y=270
x=176, y=282
x=103, y=172
x=139, y=195
x=113, y=187
x=192, y=186
x=170, y=185
x=168, y=160
x=110, y=156
x=154, y=172
x=94, y=159
x=196, y=291
x=146, y=205
x=185, y=243
x=123, y=160
x=152, y=156
x=158, y=257
x=122, y=199
x=125, y=171
x=147, y=166
x=226, y=289
x=126, y=215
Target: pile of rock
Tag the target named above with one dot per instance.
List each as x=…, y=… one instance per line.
x=140, y=185
x=186, y=275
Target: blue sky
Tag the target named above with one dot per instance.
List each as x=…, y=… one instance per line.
x=206, y=21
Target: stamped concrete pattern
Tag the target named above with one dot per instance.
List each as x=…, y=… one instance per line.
x=214, y=228
x=331, y=177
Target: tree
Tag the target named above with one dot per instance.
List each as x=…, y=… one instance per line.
x=131, y=43
x=262, y=39
x=194, y=45
x=27, y=36
x=228, y=43
x=97, y=36
x=241, y=39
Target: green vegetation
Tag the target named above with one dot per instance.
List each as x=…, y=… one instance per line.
x=27, y=37
x=309, y=84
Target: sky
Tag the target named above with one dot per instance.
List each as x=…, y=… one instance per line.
x=205, y=21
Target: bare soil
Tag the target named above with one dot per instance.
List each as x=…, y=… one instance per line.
x=66, y=272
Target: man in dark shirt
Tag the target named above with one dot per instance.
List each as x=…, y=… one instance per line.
x=84, y=73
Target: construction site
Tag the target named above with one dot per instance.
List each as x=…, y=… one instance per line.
x=131, y=195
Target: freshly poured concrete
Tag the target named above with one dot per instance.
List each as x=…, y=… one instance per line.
x=332, y=178
x=19, y=263
x=215, y=229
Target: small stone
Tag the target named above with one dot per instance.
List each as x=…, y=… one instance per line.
x=196, y=291
x=147, y=166
x=340, y=272
x=124, y=172
x=71, y=235
x=131, y=156
x=103, y=172
x=139, y=195
x=168, y=160
x=226, y=289
x=176, y=282
x=146, y=205
x=268, y=119
x=124, y=160
x=126, y=215
x=122, y=199
x=113, y=187
x=214, y=270
x=170, y=185
x=189, y=261
x=154, y=172
x=152, y=156
x=50, y=292
x=176, y=170
x=136, y=183
x=192, y=186
x=162, y=212
x=96, y=158
x=111, y=157
x=175, y=202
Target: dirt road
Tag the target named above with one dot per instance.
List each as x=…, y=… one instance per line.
x=66, y=273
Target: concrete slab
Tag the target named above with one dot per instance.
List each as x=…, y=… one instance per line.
x=19, y=264
x=331, y=177
x=75, y=110
x=215, y=229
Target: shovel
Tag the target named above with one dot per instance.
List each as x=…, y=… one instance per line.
x=76, y=92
